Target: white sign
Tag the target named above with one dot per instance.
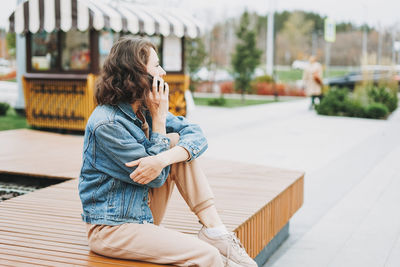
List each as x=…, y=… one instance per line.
x=396, y=46
x=172, y=53
x=330, y=30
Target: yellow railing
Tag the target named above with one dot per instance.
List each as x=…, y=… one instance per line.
x=178, y=84
x=58, y=103
x=67, y=103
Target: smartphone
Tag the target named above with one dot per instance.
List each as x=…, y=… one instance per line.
x=150, y=79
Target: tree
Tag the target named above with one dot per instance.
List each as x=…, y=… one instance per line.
x=10, y=39
x=296, y=33
x=246, y=56
x=195, y=55
x=279, y=20
x=345, y=27
x=319, y=22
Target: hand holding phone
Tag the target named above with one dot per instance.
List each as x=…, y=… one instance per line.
x=158, y=100
x=150, y=79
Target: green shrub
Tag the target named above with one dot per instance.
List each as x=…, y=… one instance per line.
x=376, y=111
x=376, y=103
x=334, y=103
x=264, y=79
x=3, y=108
x=354, y=108
x=383, y=95
x=217, y=101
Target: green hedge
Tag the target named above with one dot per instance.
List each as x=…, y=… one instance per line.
x=217, y=102
x=264, y=79
x=383, y=95
x=376, y=103
x=376, y=111
x=3, y=108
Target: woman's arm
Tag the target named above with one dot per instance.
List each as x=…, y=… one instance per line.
x=191, y=136
x=149, y=168
x=113, y=143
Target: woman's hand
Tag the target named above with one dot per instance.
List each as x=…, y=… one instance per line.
x=149, y=168
x=158, y=101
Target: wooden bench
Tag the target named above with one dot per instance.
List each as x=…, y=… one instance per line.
x=45, y=228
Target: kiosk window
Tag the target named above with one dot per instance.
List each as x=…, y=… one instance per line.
x=44, y=51
x=172, y=51
x=157, y=41
x=107, y=38
x=106, y=41
x=75, y=50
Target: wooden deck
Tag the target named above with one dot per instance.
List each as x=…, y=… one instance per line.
x=45, y=228
x=40, y=153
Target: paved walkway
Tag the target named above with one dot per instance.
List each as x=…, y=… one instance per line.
x=8, y=92
x=350, y=215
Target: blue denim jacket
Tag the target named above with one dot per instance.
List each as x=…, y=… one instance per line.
x=114, y=136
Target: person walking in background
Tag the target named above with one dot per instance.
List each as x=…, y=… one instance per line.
x=312, y=79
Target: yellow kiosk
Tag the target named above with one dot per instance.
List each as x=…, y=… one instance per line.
x=67, y=42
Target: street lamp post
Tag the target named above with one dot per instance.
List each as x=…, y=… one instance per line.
x=21, y=67
x=364, y=46
x=365, y=38
x=396, y=48
x=270, y=39
x=380, y=37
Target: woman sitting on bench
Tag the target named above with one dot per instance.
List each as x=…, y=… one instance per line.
x=134, y=152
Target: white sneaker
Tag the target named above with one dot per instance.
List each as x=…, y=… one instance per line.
x=232, y=251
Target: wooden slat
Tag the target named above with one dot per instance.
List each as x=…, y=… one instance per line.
x=39, y=154
x=256, y=209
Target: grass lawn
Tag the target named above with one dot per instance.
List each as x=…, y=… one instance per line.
x=230, y=103
x=289, y=75
x=12, y=121
x=294, y=75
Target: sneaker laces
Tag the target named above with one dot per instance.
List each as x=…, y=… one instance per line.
x=236, y=244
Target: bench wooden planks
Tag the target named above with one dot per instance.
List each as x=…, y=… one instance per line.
x=45, y=227
x=40, y=153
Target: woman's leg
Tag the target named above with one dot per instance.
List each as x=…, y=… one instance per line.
x=194, y=188
x=151, y=243
x=159, y=198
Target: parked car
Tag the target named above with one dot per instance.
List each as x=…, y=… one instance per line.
x=397, y=78
x=300, y=64
x=353, y=78
x=5, y=66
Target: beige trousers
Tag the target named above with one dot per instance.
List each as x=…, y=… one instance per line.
x=155, y=243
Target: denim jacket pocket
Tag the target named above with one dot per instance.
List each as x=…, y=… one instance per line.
x=87, y=142
x=131, y=200
x=94, y=197
x=113, y=201
x=111, y=193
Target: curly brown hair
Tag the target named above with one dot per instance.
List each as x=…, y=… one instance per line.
x=123, y=76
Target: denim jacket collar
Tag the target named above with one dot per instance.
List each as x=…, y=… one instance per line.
x=126, y=108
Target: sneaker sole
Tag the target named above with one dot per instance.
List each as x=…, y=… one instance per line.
x=230, y=262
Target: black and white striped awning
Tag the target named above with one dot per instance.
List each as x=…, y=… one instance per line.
x=49, y=15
